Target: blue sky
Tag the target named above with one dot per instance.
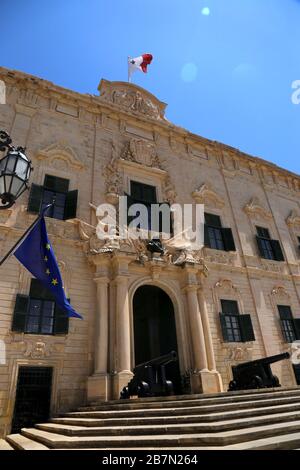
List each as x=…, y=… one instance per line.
x=225, y=67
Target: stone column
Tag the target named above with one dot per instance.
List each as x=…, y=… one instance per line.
x=211, y=380
x=203, y=380
x=206, y=329
x=101, y=346
x=196, y=328
x=123, y=325
x=98, y=383
x=122, y=317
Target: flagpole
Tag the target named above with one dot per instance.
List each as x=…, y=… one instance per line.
x=24, y=235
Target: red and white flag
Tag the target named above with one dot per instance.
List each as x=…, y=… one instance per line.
x=139, y=63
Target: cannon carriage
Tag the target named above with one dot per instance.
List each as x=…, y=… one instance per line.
x=149, y=379
x=256, y=374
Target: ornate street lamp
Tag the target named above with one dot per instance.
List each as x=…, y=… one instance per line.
x=15, y=169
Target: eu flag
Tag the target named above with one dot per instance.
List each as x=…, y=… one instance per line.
x=36, y=254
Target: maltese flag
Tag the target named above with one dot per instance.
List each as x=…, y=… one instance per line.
x=139, y=63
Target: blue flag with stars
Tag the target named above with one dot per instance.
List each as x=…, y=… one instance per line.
x=36, y=254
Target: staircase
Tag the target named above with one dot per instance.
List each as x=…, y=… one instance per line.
x=264, y=419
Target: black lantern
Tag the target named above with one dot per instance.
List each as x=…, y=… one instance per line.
x=15, y=169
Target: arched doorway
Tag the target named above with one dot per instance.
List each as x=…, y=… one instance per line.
x=155, y=329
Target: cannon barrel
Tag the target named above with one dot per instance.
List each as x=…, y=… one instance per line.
x=158, y=361
x=264, y=360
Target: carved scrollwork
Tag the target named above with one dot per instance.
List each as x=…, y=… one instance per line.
x=60, y=155
x=132, y=98
x=238, y=353
x=141, y=151
x=280, y=292
x=113, y=177
x=207, y=195
x=293, y=219
x=255, y=208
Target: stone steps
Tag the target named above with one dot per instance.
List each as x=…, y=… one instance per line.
x=190, y=400
x=173, y=419
x=181, y=428
x=54, y=440
x=161, y=411
x=21, y=442
x=268, y=419
x=4, y=445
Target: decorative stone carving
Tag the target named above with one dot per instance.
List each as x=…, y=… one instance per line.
x=293, y=219
x=141, y=151
x=169, y=191
x=281, y=293
x=272, y=267
x=207, y=195
x=235, y=353
x=113, y=178
x=219, y=257
x=226, y=287
x=60, y=155
x=28, y=98
x=61, y=229
x=36, y=348
x=255, y=208
x=132, y=98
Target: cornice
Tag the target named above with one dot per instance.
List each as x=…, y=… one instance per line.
x=95, y=105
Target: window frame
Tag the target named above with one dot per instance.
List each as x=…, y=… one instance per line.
x=289, y=331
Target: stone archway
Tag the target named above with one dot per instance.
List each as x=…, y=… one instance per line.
x=155, y=328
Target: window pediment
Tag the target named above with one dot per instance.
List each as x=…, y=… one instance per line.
x=60, y=155
x=132, y=98
x=207, y=195
x=293, y=219
x=254, y=208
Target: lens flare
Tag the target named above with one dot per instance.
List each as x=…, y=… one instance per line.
x=205, y=11
x=189, y=72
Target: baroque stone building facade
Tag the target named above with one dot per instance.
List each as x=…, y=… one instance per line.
x=235, y=300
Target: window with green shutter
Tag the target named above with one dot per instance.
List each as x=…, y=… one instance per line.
x=54, y=191
x=289, y=325
x=235, y=327
x=37, y=313
x=216, y=236
x=268, y=248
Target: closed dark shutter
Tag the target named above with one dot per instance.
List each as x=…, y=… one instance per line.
x=228, y=239
x=223, y=327
x=246, y=327
x=284, y=332
x=71, y=205
x=143, y=192
x=39, y=291
x=35, y=198
x=297, y=327
x=277, y=250
x=206, y=236
x=130, y=202
x=212, y=220
x=56, y=184
x=260, y=246
x=20, y=313
x=285, y=312
x=61, y=323
x=230, y=307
